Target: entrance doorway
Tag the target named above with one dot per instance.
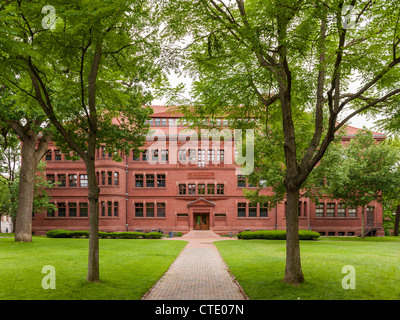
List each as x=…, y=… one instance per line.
x=201, y=221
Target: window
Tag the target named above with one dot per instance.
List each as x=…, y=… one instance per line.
x=109, y=207
x=210, y=189
x=350, y=234
x=341, y=210
x=51, y=178
x=210, y=156
x=330, y=209
x=135, y=157
x=83, y=180
x=161, y=180
x=138, y=209
x=154, y=155
x=72, y=209
x=201, y=189
x=172, y=122
x=116, y=178
x=150, y=210
x=103, y=178
x=220, y=189
x=83, y=209
x=352, y=212
x=191, y=189
x=50, y=212
x=340, y=234
x=182, y=189
x=182, y=155
x=157, y=121
x=57, y=155
x=150, y=122
x=241, y=181
x=220, y=156
x=62, y=180
x=103, y=152
x=201, y=159
x=241, y=209
x=103, y=208
x=192, y=155
x=138, y=180
x=110, y=178
x=164, y=155
x=253, y=210
x=73, y=180
x=150, y=180
x=49, y=155
x=161, y=210
x=264, y=210
x=116, y=209
x=164, y=122
x=331, y=233
x=144, y=155
x=319, y=210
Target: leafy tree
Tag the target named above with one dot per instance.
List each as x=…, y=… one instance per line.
x=20, y=122
x=361, y=172
x=41, y=198
x=93, y=67
x=248, y=57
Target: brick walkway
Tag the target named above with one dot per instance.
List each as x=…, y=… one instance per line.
x=198, y=273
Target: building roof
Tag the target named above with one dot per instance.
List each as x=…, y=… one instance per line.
x=169, y=112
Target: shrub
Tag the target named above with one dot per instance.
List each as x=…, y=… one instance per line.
x=59, y=233
x=79, y=234
x=276, y=235
x=153, y=235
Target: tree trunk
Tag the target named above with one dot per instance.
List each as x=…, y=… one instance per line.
x=397, y=222
x=363, y=222
x=293, y=273
x=23, y=228
x=93, y=274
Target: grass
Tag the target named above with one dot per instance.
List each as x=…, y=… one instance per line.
x=259, y=266
x=128, y=268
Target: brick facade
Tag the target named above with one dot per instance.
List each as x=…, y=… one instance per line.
x=178, y=196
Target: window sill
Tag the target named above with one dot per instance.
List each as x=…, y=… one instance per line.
x=253, y=218
x=149, y=218
x=63, y=218
x=150, y=188
x=336, y=218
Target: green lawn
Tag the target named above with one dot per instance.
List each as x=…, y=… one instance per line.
x=128, y=268
x=259, y=267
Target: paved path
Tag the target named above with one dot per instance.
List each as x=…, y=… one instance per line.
x=198, y=273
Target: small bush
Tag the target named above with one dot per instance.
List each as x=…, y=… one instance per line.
x=153, y=235
x=276, y=235
x=80, y=234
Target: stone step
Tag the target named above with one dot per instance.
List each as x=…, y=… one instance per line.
x=201, y=234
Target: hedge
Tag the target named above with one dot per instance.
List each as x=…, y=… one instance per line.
x=60, y=233
x=276, y=235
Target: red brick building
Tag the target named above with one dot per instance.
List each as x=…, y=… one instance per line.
x=178, y=186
